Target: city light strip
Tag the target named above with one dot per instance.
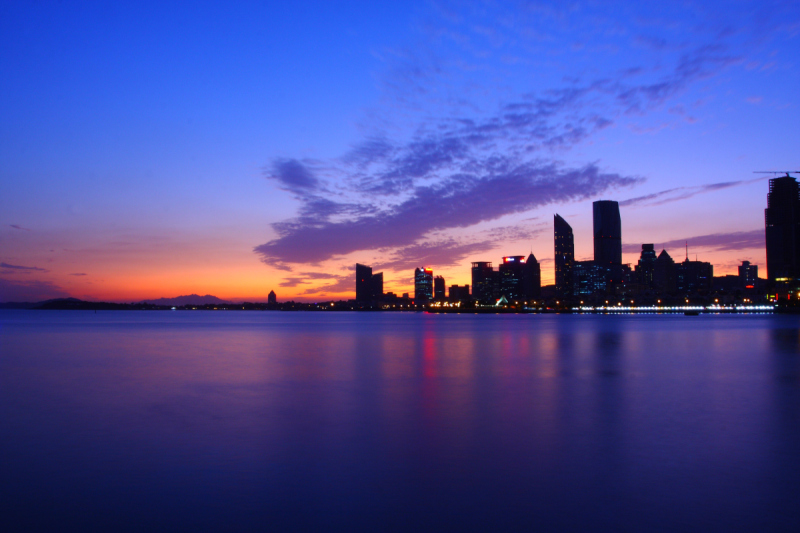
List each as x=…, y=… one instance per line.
x=677, y=308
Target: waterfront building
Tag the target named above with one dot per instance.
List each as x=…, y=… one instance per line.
x=363, y=283
x=748, y=275
x=532, y=281
x=644, y=269
x=607, y=232
x=423, y=285
x=438, y=288
x=588, y=278
x=564, y=255
x=272, y=298
x=511, y=273
x=369, y=286
x=782, y=219
x=376, y=286
x=483, y=281
x=664, y=274
x=694, y=276
x=459, y=293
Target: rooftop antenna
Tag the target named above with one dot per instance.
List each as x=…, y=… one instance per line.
x=687, y=250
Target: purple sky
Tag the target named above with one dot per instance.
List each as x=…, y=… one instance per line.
x=151, y=150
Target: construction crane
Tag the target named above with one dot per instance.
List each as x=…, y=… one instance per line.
x=776, y=172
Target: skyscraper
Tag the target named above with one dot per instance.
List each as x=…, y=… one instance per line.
x=438, y=288
x=664, y=274
x=423, y=285
x=511, y=273
x=644, y=270
x=532, y=282
x=363, y=283
x=564, y=255
x=272, y=298
x=607, y=232
x=483, y=281
x=782, y=218
x=369, y=286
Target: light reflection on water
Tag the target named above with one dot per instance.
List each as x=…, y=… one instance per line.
x=376, y=421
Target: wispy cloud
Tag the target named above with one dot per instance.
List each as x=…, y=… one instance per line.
x=682, y=193
x=16, y=226
x=22, y=268
x=459, y=201
x=715, y=242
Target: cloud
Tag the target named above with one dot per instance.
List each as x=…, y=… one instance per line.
x=304, y=277
x=716, y=242
x=433, y=254
x=29, y=291
x=342, y=284
x=460, y=201
x=467, y=161
x=78, y=274
x=15, y=226
x=292, y=175
x=24, y=269
x=683, y=193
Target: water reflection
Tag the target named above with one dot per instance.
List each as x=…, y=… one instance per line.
x=399, y=421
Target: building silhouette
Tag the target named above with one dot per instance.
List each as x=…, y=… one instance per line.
x=272, y=298
x=369, y=286
x=694, y=276
x=511, y=273
x=564, y=255
x=607, y=232
x=423, y=285
x=588, y=278
x=532, y=282
x=644, y=269
x=483, y=281
x=782, y=219
x=748, y=275
x=438, y=288
x=459, y=293
x=664, y=274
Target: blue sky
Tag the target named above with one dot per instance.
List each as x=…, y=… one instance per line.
x=157, y=149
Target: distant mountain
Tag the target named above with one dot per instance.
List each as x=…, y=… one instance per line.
x=191, y=299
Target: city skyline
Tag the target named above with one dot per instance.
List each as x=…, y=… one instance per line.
x=147, y=153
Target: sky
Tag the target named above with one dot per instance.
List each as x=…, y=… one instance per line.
x=158, y=149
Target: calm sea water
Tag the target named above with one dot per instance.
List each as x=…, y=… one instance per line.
x=276, y=421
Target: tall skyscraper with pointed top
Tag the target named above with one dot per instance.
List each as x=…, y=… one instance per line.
x=607, y=232
x=564, y=255
x=532, y=281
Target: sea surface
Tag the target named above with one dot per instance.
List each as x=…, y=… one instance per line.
x=303, y=421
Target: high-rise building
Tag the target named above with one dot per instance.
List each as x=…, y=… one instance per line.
x=438, y=288
x=748, y=275
x=694, y=276
x=376, y=286
x=782, y=218
x=423, y=285
x=483, y=281
x=459, y=293
x=647, y=261
x=588, y=278
x=532, y=281
x=511, y=273
x=607, y=232
x=271, y=298
x=564, y=255
x=363, y=283
x=664, y=274
x=369, y=286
